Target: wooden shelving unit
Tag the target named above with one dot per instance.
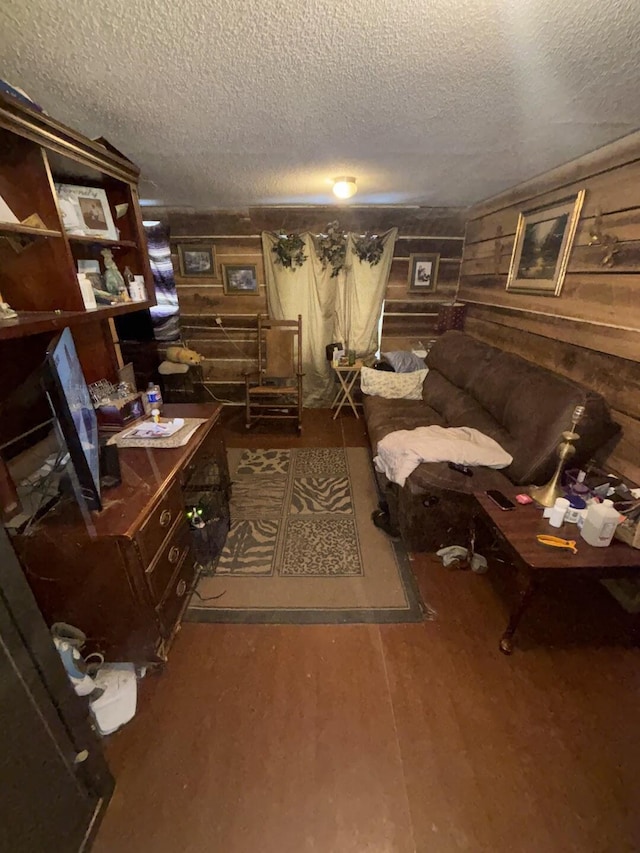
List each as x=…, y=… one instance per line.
x=38, y=268
x=37, y=322
x=27, y=230
x=102, y=241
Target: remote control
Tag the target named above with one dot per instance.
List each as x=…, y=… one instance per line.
x=463, y=469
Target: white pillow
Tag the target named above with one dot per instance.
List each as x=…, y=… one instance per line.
x=392, y=386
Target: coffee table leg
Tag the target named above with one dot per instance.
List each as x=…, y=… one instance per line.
x=506, y=643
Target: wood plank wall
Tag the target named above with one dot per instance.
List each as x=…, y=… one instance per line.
x=230, y=349
x=591, y=332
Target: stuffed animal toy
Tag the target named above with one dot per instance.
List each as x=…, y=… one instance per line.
x=182, y=355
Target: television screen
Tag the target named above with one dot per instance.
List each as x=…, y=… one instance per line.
x=71, y=403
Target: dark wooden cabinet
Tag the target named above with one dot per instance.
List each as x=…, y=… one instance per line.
x=55, y=782
x=123, y=575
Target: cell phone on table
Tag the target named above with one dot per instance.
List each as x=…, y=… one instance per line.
x=499, y=499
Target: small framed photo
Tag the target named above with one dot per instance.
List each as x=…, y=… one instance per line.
x=542, y=246
x=423, y=273
x=196, y=259
x=85, y=211
x=239, y=279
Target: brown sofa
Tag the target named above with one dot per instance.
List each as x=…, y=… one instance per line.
x=523, y=407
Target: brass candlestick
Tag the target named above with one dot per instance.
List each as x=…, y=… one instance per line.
x=547, y=495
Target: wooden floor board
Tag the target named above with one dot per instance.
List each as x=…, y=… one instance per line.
x=411, y=738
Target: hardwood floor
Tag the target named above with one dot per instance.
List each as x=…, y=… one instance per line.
x=388, y=738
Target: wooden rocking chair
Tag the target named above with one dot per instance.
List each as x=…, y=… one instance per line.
x=275, y=390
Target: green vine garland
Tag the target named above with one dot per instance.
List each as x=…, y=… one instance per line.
x=332, y=248
x=289, y=251
x=368, y=247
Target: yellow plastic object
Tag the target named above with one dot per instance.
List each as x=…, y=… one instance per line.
x=556, y=542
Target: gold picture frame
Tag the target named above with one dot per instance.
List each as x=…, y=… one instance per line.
x=423, y=273
x=542, y=246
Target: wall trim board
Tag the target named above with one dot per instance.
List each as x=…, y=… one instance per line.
x=181, y=238
x=553, y=316
x=618, y=153
x=410, y=314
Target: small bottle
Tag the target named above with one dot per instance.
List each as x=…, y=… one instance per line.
x=154, y=396
x=600, y=524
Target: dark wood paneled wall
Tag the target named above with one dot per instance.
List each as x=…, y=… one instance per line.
x=230, y=349
x=591, y=332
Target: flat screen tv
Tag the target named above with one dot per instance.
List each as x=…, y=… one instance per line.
x=76, y=418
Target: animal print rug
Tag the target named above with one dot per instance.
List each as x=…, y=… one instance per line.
x=302, y=547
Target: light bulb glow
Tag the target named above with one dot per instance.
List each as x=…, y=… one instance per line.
x=344, y=187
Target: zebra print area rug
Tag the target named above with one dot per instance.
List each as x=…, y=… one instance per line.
x=302, y=547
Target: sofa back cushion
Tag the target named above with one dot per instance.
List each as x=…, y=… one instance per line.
x=458, y=357
x=522, y=406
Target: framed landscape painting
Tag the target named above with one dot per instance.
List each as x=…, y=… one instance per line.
x=240, y=279
x=196, y=259
x=542, y=246
x=423, y=273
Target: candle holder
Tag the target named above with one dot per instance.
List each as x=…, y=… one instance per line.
x=547, y=495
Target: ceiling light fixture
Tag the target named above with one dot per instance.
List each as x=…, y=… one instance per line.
x=344, y=187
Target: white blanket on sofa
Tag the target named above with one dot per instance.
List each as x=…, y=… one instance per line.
x=400, y=452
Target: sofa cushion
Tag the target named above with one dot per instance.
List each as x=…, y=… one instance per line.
x=385, y=416
x=459, y=357
x=493, y=386
x=537, y=414
x=459, y=408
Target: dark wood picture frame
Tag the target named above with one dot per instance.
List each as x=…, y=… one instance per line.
x=240, y=279
x=203, y=266
x=423, y=273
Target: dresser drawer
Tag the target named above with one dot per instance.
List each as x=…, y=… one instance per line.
x=160, y=572
x=154, y=530
x=176, y=596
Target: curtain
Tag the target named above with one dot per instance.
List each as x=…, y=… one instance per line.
x=345, y=308
x=361, y=293
x=165, y=316
x=310, y=291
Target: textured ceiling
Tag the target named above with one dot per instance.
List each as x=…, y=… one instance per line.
x=225, y=103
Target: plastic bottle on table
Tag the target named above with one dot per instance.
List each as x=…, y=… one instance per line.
x=154, y=396
x=600, y=524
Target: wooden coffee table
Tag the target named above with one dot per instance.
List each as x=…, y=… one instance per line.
x=516, y=532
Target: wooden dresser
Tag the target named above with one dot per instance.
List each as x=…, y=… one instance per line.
x=124, y=575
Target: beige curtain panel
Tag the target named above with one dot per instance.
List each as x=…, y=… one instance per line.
x=345, y=308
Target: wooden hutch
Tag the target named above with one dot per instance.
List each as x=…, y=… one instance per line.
x=122, y=575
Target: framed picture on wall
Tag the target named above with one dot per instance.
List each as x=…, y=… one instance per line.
x=543, y=242
x=196, y=259
x=240, y=279
x=423, y=273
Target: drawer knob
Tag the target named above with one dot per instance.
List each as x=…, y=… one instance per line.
x=174, y=553
x=165, y=518
x=181, y=588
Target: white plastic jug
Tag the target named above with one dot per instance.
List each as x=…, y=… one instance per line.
x=600, y=524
